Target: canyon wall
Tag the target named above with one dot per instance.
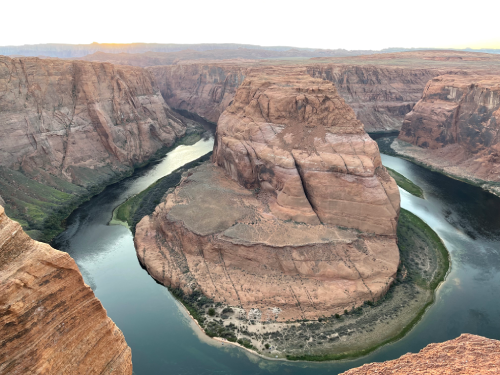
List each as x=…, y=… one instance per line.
x=297, y=221
x=201, y=88
x=465, y=355
x=380, y=96
x=51, y=322
x=67, y=127
x=455, y=127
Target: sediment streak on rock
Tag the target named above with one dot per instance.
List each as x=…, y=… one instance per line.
x=51, y=322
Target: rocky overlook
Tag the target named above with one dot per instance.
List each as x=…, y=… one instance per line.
x=299, y=218
x=467, y=354
x=455, y=126
x=71, y=126
x=51, y=322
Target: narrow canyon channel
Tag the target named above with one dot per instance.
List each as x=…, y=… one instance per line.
x=165, y=341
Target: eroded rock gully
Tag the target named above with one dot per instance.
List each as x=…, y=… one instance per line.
x=51, y=322
x=299, y=218
x=465, y=355
x=455, y=126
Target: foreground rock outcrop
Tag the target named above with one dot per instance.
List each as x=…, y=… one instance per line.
x=74, y=126
x=51, y=322
x=465, y=355
x=455, y=126
x=299, y=222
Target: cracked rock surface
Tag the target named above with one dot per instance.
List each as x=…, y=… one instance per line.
x=299, y=216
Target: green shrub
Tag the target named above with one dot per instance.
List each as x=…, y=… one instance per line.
x=211, y=311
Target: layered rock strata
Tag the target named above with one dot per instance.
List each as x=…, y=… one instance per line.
x=72, y=126
x=455, y=126
x=294, y=138
x=299, y=222
x=380, y=96
x=381, y=88
x=72, y=118
x=206, y=89
x=465, y=355
x=51, y=322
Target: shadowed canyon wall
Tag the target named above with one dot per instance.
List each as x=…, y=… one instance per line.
x=455, y=126
x=51, y=322
x=299, y=218
x=380, y=96
x=68, y=127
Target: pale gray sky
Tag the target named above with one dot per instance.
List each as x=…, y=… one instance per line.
x=346, y=24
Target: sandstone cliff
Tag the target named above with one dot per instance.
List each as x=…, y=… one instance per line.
x=465, y=355
x=455, y=126
x=51, y=322
x=381, y=88
x=201, y=88
x=72, y=126
x=299, y=222
x=380, y=96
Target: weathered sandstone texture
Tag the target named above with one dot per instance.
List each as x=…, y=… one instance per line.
x=70, y=127
x=51, y=322
x=299, y=222
x=201, y=88
x=455, y=126
x=465, y=355
x=381, y=88
x=380, y=96
x=73, y=119
x=294, y=138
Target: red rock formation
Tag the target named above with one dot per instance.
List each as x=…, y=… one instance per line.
x=265, y=231
x=465, y=355
x=381, y=88
x=202, y=88
x=380, y=96
x=294, y=137
x=51, y=322
x=455, y=126
x=80, y=121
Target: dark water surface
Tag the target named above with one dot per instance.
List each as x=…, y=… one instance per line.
x=163, y=339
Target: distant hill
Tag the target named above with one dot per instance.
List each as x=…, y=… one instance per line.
x=80, y=50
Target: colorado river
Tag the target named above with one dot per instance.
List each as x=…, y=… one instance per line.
x=162, y=337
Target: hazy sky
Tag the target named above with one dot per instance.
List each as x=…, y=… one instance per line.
x=346, y=24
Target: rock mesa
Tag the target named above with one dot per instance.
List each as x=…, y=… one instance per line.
x=297, y=218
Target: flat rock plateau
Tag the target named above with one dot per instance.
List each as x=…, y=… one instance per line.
x=260, y=231
x=454, y=128
x=51, y=322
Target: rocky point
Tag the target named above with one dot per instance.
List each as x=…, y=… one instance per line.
x=51, y=321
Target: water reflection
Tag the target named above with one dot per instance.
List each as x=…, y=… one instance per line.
x=165, y=341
